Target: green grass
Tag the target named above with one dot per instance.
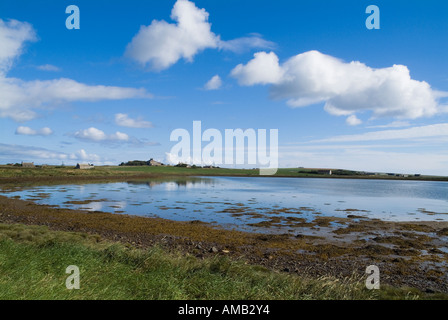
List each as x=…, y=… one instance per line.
x=167, y=170
x=116, y=171
x=33, y=261
x=281, y=172
x=57, y=172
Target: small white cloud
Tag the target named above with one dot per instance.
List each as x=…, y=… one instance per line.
x=264, y=68
x=214, y=83
x=96, y=135
x=119, y=136
x=48, y=67
x=31, y=132
x=45, y=131
x=123, y=120
x=353, y=120
x=92, y=134
x=239, y=45
x=82, y=155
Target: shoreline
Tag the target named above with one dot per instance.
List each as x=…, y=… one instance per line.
x=396, y=247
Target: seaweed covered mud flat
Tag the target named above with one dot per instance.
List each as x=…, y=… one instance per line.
x=408, y=254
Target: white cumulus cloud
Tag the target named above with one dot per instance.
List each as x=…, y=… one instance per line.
x=345, y=88
x=162, y=44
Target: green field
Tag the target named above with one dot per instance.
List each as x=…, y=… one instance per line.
x=56, y=172
x=168, y=170
x=281, y=172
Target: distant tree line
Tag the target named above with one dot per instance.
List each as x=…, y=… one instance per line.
x=135, y=163
x=148, y=163
x=184, y=165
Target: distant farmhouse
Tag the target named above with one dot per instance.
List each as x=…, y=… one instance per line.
x=84, y=166
x=28, y=164
x=154, y=163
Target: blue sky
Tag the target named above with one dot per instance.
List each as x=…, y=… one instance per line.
x=340, y=95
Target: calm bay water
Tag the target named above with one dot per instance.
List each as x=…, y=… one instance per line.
x=239, y=201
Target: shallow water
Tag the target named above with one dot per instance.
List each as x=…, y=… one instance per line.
x=242, y=202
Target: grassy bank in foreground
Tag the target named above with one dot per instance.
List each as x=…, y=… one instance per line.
x=33, y=261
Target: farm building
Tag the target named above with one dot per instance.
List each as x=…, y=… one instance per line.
x=154, y=163
x=28, y=164
x=84, y=166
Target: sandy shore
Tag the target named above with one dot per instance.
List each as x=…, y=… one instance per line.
x=411, y=254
